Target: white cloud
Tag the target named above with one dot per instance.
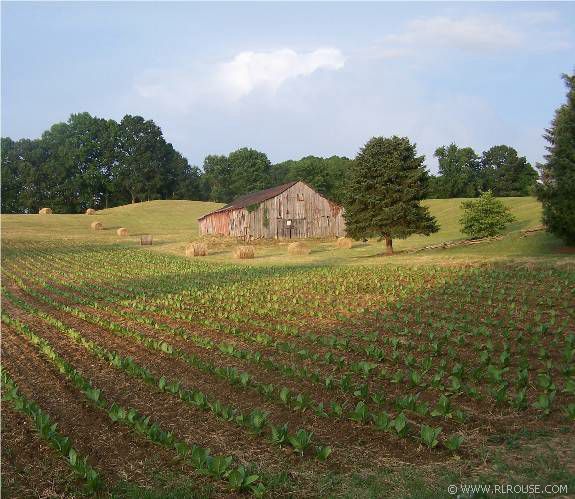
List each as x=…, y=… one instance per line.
x=249, y=71
x=470, y=33
x=228, y=81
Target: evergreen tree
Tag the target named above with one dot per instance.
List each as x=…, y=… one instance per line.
x=557, y=192
x=387, y=182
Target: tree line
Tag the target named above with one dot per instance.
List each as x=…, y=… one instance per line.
x=465, y=174
x=90, y=162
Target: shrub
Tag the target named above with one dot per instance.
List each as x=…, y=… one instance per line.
x=484, y=217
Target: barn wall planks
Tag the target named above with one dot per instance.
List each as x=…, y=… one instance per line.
x=298, y=212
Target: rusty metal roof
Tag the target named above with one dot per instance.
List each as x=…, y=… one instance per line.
x=253, y=198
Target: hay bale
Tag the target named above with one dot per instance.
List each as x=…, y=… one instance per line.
x=97, y=226
x=45, y=211
x=243, y=252
x=298, y=248
x=197, y=249
x=90, y=211
x=344, y=242
x=122, y=232
x=146, y=240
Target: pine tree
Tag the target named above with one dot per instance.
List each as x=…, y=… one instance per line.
x=386, y=184
x=557, y=192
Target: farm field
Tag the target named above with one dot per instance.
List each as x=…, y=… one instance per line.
x=140, y=373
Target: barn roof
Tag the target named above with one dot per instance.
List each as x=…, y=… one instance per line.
x=253, y=198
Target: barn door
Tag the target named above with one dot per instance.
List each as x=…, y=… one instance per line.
x=291, y=228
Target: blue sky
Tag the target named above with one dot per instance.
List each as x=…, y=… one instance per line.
x=292, y=79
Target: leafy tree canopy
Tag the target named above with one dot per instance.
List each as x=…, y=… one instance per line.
x=458, y=169
x=89, y=162
x=506, y=173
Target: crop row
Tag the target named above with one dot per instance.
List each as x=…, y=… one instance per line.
x=221, y=467
x=256, y=421
x=344, y=384
x=399, y=425
x=48, y=430
x=488, y=370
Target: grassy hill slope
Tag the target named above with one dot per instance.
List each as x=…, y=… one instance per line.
x=174, y=223
x=167, y=220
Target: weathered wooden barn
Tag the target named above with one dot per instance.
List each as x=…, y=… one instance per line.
x=292, y=210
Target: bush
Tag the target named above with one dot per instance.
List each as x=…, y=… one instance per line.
x=484, y=217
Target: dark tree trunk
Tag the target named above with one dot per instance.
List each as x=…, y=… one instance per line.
x=388, y=246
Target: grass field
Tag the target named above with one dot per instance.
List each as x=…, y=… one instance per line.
x=173, y=224
x=339, y=374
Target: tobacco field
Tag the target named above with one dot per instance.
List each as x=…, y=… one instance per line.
x=126, y=364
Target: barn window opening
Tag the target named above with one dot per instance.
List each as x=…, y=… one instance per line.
x=300, y=196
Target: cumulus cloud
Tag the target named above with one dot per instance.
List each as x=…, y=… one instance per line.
x=249, y=71
x=470, y=33
x=231, y=80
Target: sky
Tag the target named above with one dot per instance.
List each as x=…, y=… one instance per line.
x=292, y=79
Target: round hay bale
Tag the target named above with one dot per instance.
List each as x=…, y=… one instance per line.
x=97, y=226
x=122, y=232
x=244, y=252
x=344, y=242
x=298, y=248
x=197, y=249
x=90, y=211
x=45, y=211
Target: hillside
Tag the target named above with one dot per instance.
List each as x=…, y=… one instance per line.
x=174, y=223
x=167, y=220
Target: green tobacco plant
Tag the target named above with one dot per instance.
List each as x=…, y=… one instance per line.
x=257, y=420
x=49, y=432
x=240, y=479
x=429, y=435
x=322, y=452
x=301, y=440
x=400, y=425
x=360, y=413
x=453, y=442
x=279, y=434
